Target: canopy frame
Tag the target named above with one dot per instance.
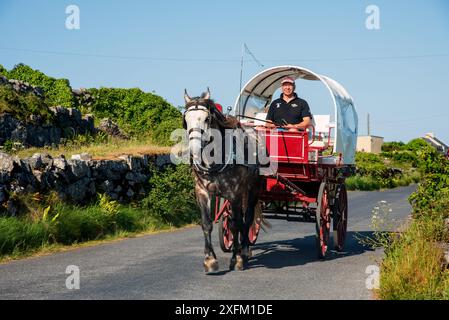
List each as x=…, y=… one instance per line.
x=264, y=84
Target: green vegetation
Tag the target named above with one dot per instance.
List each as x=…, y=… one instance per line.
x=397, y=165
x=174, y=183
x=22, y=106
x=57, y=91
x=136, y=112
x=48, y=222
x=413, y=267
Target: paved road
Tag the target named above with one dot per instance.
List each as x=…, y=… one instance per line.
x=169, y=265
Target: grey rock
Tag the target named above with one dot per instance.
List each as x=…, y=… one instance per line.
x=88, y=122
x=82, y=156
x=75, y=114
x=107, y=186
x=130, y=193
x=3, y=193
x=135, y=177
x=162, y=160
x=79, y=168
x=38, y=175
x=81, y=191
x=47, y=160
x=111, y=128
x=6, y=167
x=60, y=163
x=129, y=176
x=113, y=196
x=35, y=161
x=134, y=163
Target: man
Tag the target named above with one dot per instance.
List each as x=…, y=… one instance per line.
x=289, y=110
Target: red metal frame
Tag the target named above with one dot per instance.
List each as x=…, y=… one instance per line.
x=295, y=171
x=293, y=163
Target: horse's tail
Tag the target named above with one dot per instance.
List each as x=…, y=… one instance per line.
x=258, y=215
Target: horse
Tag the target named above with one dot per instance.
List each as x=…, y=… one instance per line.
x=239, y=183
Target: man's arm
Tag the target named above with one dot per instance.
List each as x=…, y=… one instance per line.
x=270, y=117
x=303, y=125
x=306, y=117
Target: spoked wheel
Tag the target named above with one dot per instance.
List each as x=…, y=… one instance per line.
x=323, y=221
x=340, y=218
x=224, y=229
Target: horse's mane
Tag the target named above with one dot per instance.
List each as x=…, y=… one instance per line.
x=224, y=122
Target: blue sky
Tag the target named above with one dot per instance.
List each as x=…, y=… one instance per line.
x=399, y=73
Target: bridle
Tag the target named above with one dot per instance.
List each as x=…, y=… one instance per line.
x=208, y=106
x=197, y=107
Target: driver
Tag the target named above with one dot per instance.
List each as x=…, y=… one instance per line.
x=289, y=111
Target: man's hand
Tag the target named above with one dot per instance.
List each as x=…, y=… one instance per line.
x=270, y=125
x=291, y=127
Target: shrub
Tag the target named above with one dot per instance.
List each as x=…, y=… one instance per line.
x=171, y=198
x=135, y=111
x=402, y=157
x=393, y=146
x=23, y=105
x=433, y=192
x=161, y=135
x=57, y=91
x=3, y=71
x=416, y=144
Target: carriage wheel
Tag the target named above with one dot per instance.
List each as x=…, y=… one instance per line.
x=340, y=218
x=224, y=230
x=323, y=221
x=254, y=231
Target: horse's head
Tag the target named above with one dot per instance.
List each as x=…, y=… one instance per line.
x=197, y=121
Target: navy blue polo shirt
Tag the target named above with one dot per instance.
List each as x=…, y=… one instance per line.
x=292, y=112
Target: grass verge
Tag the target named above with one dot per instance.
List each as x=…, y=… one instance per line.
x=49, y=223
x=100, y=147
x=413, y=267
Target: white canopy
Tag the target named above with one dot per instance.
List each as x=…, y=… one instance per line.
x=258, y=92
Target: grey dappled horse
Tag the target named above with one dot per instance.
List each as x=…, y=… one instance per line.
x=239, y=183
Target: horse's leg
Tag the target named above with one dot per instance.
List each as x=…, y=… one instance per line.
x=210, y=260
x=237, y=229
x=249, y=219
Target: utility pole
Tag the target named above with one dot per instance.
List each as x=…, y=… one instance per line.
x=367, y=123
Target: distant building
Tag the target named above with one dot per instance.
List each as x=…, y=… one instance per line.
x=438, y=144
x=372, y=144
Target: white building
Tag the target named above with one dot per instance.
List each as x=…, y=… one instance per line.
x=372, y=144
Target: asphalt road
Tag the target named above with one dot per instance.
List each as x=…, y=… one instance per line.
x=169, y=265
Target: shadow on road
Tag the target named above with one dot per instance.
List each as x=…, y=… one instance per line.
x=300, y=251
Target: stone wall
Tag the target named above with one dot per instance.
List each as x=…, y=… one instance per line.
x=76, y=180
x=34, y=132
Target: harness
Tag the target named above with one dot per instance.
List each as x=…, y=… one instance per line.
x=206, y=106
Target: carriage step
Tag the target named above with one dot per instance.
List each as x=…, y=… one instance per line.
x=290, y=185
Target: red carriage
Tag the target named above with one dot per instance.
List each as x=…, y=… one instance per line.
x=308, y=183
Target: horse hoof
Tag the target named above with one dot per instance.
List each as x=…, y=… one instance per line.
x=210, y=265
x=232, y=264
x=240, y=263
x=248, y=253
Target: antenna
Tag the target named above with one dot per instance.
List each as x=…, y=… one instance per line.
x=245, y=49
